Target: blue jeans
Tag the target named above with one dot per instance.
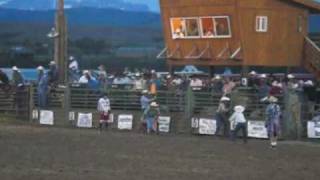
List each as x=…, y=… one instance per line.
x=42, y=99
x=243, y=128
x=150, y=122
x=222, y=122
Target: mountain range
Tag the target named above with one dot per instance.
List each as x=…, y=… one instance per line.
x=127, y=5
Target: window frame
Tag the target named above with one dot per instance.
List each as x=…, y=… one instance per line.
x=259, y=24
x=186, y=33
x=214, y=28
x=200, y=27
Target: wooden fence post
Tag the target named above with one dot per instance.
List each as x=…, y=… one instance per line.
x=31, y=103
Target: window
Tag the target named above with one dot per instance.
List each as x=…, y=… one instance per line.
x=185, y=28
x=203, y=27
x=215, y=27
x=262, y=24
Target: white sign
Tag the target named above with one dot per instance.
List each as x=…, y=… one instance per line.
x=313, y=129
x=125, y=122
x=195, y=123
x=72, y=116
x=84, y=120
x=257, y=129
x=46, y=117
x=207, y=126
x=164, y=124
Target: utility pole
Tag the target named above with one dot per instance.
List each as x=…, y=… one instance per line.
x=61, y=43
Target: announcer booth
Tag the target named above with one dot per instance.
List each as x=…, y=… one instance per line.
x=242, y=33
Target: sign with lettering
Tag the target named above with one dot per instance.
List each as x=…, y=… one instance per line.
x=125, y=122
x=46, y=117
x=164, y=124
x=84, y=120
x=257, y=129
x=207, y=126
x=313, y=129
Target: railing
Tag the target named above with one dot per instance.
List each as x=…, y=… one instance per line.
x=14, y=102
x=312, y=55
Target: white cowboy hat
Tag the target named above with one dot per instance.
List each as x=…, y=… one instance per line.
x=86, y=72
x=52, y=63
x=71, y=58
x=15, y=68
x=168, y=76
x=239, y=109
x=308, y=83
x=273, y=99
x=263, y=76
x=225, y=99
x=217, y=77
x=145, y=92
x=110, y=77
x=264, y=99
x=40, y=68
x=274, y=83
x=153, y=71
x=253, y=73
x=290, y=76
x=138, y=74
x=154, y=104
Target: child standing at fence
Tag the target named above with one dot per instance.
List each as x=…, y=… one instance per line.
x=238, y=122
x=104, y=110
x=151, y=115
x=273, y=114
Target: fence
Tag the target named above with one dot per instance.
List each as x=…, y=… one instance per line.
x=180, y=105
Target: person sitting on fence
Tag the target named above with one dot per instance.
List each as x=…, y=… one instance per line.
x=273, y=114
x=151, y=114
x=43, y=91
x=238, y=122
x=221, y=116
x=217, y=84
x=84, y=79
x=104, y=110
x=228, y=87
x=17, y=78
x=73, y=69
x=40, y=71
x=276, y=88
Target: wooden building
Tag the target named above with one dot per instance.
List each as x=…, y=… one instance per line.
x=270, y=33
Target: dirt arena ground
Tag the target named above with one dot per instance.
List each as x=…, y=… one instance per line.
x=64, y=154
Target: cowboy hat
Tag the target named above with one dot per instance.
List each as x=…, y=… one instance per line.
x=239, y=109
x=145, y=92
x=224, y=98
x=253, y=73
x=217, y=77
x=273, y=99
x=71, y=58
x=154, y=104
x=86, y=72
x=308, y=83
x=40, y=68
x=290, y=76
x=52, y=63
x=263, y=76
x=15, y=68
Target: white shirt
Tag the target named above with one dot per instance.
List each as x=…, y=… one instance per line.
x=83, y=80
x=104, y=105
x=138, y=84
x=237, y=117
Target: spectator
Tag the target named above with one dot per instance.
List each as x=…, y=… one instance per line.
x=40, y=71
x=4, y=81
x=151, y=115
x=84, y=79
x=145, y=101
x=228, y=87
x=273, y=113
x=276, y=88
x=253, y=80
x=217, y=84
x=196, y=84
x=139, y=82
x=222, y=116
x=238, y=122
x=43, y=91
x=17, y=78
x=104, y=109
x=73, y=69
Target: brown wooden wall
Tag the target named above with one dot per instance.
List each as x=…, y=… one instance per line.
x=282, y=45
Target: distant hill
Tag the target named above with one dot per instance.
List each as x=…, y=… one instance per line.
x=85, y=16
x=128, y=5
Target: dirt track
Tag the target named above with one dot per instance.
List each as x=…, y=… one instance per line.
x=52, y=153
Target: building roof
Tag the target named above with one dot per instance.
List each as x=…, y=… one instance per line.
x=310, y=4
